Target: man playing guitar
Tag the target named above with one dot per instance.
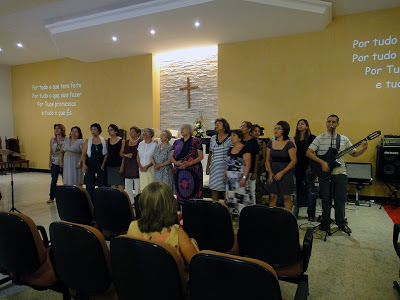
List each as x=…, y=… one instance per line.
x=321, y=145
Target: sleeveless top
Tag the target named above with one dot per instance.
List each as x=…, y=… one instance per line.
x=56, y=147
x=97, y=157
x=168, y=235
x=131, y=167
x=113, y=158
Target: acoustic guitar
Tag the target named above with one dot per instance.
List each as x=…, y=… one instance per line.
x=332, y=155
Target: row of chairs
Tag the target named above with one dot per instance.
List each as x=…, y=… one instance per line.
x=79, y=260
x=267, y=234
x=110, y=211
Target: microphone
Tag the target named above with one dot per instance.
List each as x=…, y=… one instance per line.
x=332, y=128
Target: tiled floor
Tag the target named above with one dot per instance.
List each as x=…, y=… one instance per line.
x=360, y=266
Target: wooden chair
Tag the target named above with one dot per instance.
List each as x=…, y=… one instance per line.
x=215, y=275
x=147, y=270
x=3, y=164
x=82, y=260
x=396, y=245
x=113, y=211
x=210, y=224
x=13, y=145
x=271, y=234
x=74, y=205
x=25, y=253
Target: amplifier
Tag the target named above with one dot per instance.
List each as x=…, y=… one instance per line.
x=390, y=140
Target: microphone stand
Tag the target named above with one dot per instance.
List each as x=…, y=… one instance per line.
x=331, y=192
x=13, y=209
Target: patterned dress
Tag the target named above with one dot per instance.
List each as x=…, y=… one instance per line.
x=261, y=185
x=72, y=155
x=166, y=173
x=189, y=181
x=237, y=196
x=218, y=162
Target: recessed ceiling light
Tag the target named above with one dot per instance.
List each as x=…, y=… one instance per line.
x=19, y=45
x=1, y=49
x=153, y=32
x=197, y=23
x=114, y=38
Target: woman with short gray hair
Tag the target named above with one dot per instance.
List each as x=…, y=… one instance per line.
x=188, y=127
x=186, y=155
x=163, y=170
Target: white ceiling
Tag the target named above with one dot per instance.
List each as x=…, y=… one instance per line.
x=82, y=29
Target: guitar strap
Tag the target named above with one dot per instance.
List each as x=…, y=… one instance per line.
x=338, y=142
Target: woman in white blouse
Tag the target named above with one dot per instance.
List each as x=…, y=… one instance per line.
x=144, y=158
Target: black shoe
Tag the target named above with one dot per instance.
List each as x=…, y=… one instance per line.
x=346, y=229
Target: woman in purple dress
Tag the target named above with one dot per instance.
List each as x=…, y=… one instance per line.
x=186, y=155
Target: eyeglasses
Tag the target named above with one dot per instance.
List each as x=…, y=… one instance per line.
x=243, y=126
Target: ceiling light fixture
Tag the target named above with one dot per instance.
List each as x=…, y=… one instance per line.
x=1, y=49
x=197, y=23
x=114, y=38
x=20, y=45
x=152, y=31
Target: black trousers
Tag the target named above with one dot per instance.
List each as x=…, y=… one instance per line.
x=339, y=196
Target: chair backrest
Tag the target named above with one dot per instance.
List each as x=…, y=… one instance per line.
x=81, y=257
x=269, y=234
x=396, y=244
x=215, y=275
x=113, y=210
x=74, y=205
x=13, y=144
x=147, y=270
x=138, y=213
x=21, y=248
x=209, y=223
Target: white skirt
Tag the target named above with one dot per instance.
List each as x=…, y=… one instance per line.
x=146, y=177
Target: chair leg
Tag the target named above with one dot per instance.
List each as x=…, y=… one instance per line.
x=396, y=286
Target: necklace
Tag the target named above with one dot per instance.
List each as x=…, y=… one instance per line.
x=134, y=141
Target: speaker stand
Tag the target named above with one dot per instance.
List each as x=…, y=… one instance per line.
x=393, y=200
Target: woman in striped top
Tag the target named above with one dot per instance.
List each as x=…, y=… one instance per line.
x=219, y=148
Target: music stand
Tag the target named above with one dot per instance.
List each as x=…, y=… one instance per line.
x=10, y=153
x=359, y=174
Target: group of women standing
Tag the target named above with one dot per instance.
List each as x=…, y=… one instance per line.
x=127, y=164
x=241, y=165
x=249, y=165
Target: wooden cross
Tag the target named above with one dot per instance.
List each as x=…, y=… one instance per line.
x=188, y=88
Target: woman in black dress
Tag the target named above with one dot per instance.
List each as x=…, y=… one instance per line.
x=115, y=178
x=304, y=178
x=281, y=158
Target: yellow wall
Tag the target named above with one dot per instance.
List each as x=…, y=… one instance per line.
x=116, y=91
x=312, y=75
x=308, y=76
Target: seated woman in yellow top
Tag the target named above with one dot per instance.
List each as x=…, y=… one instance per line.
x=159, y=221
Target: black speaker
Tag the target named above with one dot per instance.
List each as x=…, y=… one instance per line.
x=388, y=163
